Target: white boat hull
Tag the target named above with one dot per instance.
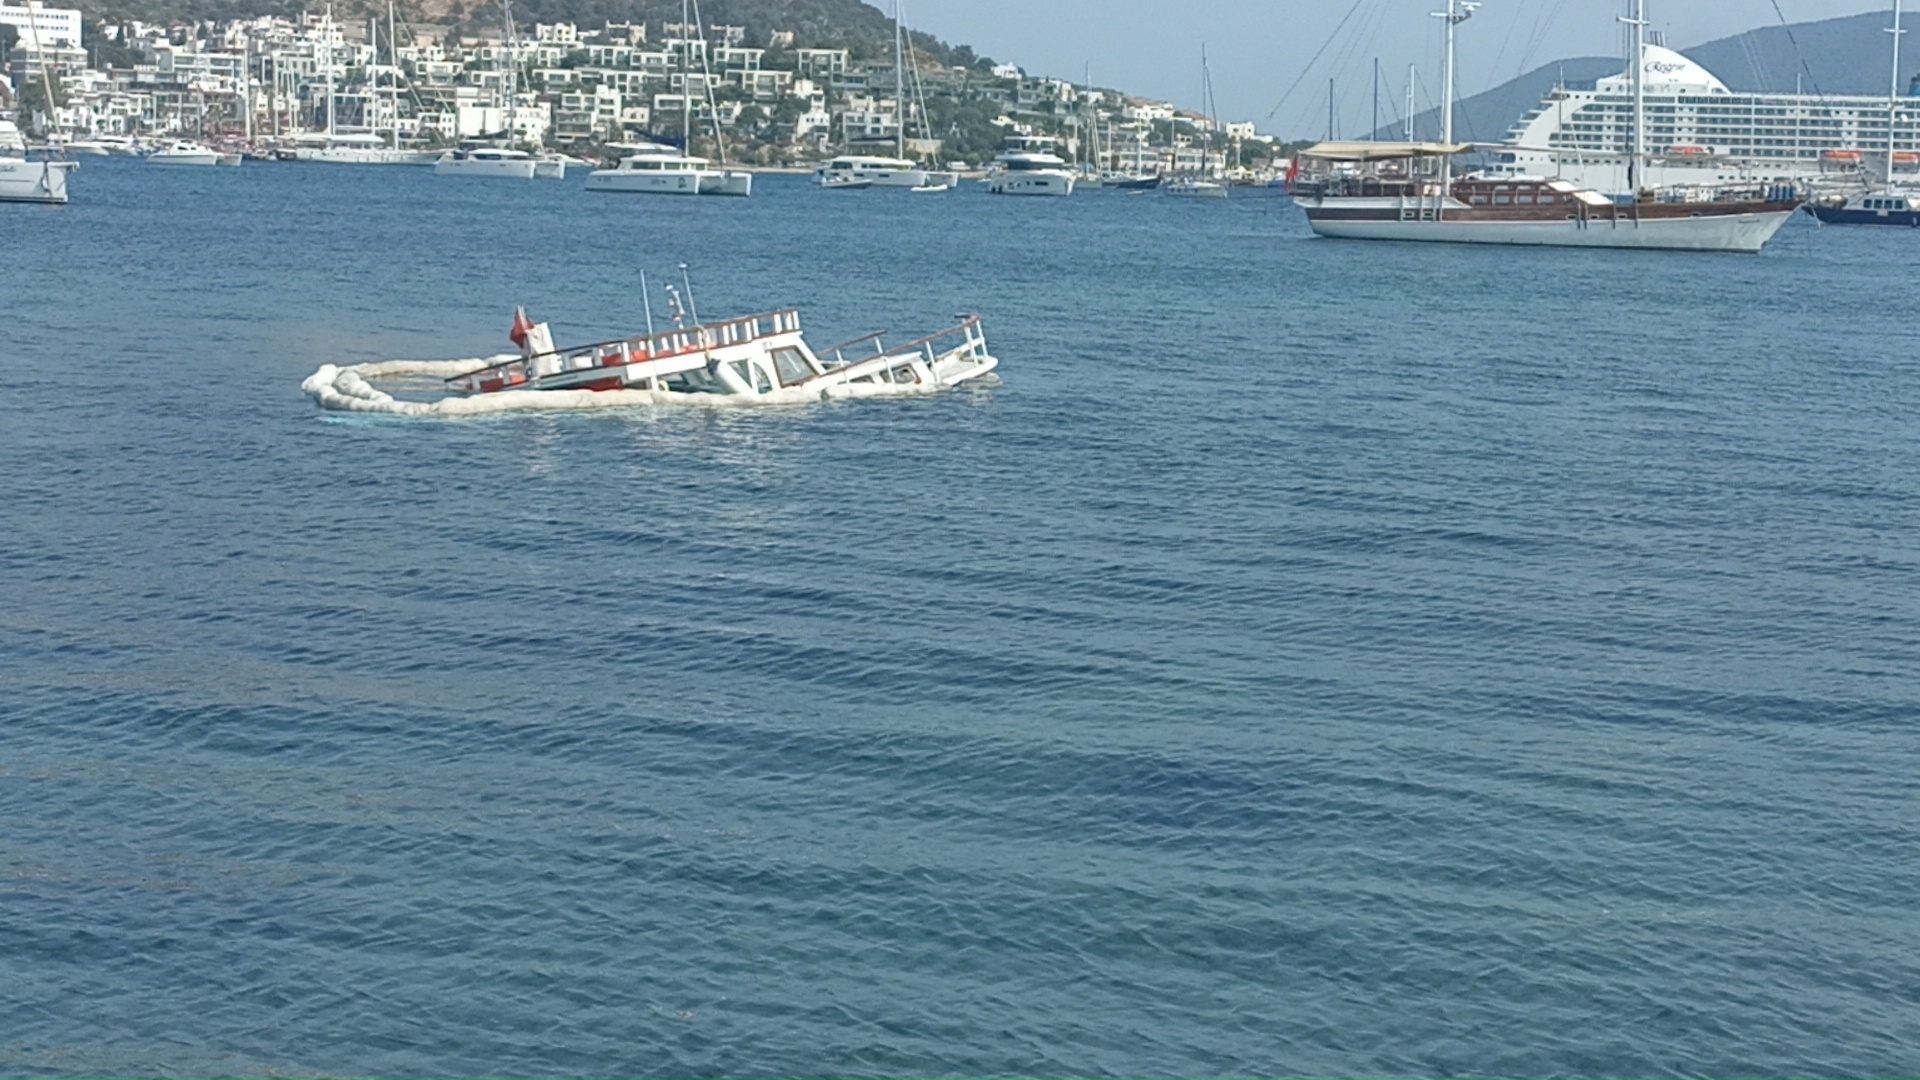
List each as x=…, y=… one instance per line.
x=509, y=169
x=372, y=155
x=1746, y=233
x=670, y=182
x=1031, y=183
x=166, y=158
x=33, y=181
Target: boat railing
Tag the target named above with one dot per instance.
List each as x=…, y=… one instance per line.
x=621, y=351
x=927, y=349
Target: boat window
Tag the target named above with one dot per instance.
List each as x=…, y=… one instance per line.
x=1524, y=200
x=791, y=366
x=1502, y=200
x=740, y=368
x=904, y=374
x=696, y=381
x=1480, y=200
x=760, y=382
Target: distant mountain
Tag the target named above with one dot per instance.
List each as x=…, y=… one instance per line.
x=1848, y=55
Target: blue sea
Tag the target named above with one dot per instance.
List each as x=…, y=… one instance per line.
x=1312, y=658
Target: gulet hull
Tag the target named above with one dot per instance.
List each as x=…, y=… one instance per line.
x=1744, y=233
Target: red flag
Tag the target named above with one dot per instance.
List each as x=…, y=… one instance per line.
x=521, y=324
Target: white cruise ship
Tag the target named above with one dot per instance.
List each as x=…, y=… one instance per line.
x=1701, y=133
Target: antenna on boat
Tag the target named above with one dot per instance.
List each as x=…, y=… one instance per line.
x=693, y=309
x=647, y=301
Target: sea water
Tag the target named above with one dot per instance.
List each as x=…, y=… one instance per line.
x=1314, y=657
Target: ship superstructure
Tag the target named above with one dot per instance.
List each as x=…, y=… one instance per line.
x=1701, y=132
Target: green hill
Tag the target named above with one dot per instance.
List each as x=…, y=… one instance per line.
x=850, y=24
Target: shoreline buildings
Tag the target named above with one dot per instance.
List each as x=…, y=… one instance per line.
x=273, y=79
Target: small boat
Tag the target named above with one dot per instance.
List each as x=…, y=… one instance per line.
x=931, y=186
x=1868, y=208
x=188, y=152
x=1131, y=181
x=755, y=360
x=1194, y=187
x=844, y=183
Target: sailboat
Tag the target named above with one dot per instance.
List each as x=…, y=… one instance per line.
x=859, y=171
x=481, y=159
x=1888, y=206
x=24, y=180
x=1407, y=191
x=662, y=169
x=1201, y=186
x=363, y=148
x=29, y=181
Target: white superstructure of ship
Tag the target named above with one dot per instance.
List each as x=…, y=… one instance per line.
x=1699, y=132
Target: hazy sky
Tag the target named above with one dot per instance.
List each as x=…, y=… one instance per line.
x=1258, y=48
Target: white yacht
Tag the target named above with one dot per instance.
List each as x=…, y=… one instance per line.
x=29, y=181
x=356, y=149
x=486, y=161
x=1026, y=172
x=881, y=171
x=657, y=169
x=188, y=152
x=1194, y=187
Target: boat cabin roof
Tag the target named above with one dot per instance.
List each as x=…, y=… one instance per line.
x=1382, y=151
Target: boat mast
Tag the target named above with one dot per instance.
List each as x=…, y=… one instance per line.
x=1636, y=160
x=686, y=91
x=899, y=89
x=393, y=55
x=326, y=40
x=1458, y=11
x=1411, y=74
x=1893, y=91
x=512, y=70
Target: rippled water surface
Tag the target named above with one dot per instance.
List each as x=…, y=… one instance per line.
x=1314, y=658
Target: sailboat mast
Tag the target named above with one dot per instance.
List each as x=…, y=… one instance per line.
x=899, y=89
x=1638, y=27
x=326, y=39
x=1458, y=11
x=1412, y=73
x=686, y=89
x=1893, y=90
x=513, y=66
x=393, y=55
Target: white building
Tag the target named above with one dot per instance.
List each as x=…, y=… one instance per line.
x=43, y=27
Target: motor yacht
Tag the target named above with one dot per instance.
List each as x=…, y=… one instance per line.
x=1195, y=187
x=1025, y=172
x=355, y=149
x=188, y=152
x=486, y=161
x=881, y=171
x=658, y=169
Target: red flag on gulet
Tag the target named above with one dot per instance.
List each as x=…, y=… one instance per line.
x=521, y=324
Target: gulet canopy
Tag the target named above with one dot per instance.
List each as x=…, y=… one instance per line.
x=1382, y=151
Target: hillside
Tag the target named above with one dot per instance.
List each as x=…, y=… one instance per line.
x=1848, y=55
x=850, y=24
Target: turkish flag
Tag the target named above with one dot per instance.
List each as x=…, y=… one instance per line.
x=521, y=324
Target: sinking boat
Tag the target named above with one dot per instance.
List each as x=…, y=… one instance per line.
x=754, y=360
